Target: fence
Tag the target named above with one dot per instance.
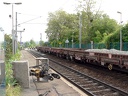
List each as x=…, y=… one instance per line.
x=111, y=45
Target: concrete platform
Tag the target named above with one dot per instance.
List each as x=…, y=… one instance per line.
x=2, y=89
x=57, y=87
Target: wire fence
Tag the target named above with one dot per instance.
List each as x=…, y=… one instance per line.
x=111, y=45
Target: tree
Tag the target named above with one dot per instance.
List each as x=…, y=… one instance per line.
x=125, y=33
x=32, y=43
x=87, y=9
x=26, y=44
x=60, y=27
x=105, y=26
x=94, y=21
x=41, y=43
x=98, y=37
x=8, y=47
x=96, y=26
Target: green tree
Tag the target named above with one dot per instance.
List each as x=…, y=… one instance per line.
x=41, y=43
x=105, y=26
x=60, y=27
x=32, y=43
x=8, y=47
x=94, y=21
x=98, y=37
x=96, y=26
x=26, y=44
x=87, y=9
x=125, y=33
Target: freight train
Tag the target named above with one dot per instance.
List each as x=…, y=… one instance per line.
x=104, y=57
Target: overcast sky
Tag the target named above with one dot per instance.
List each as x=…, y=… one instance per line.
x=39, y=9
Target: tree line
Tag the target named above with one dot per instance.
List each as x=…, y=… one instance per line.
x=95, y=25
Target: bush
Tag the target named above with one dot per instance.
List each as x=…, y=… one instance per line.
x=12, y=87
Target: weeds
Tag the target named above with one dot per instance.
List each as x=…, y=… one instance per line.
x=13, y=91
x=12, y=87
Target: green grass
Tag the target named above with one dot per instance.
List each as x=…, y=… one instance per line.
x=11, y=89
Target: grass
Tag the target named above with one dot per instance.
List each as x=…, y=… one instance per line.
x=11, y=89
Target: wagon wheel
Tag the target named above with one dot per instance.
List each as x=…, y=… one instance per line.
x=110, y=66
x=67, y=57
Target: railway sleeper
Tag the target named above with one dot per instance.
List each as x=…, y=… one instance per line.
x=75, y=81
x=78, y=83
x=102, y=90
x=72, y=79
x=78, y=74
x=113, y=94
x=81, y=77
x=86, y=79
x=86, y=88
x=100, y=86
x=94, y=88
x=110, y=94
x=69, y=77
x=89, y=81
x=89, y=85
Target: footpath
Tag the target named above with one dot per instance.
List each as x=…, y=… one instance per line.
x=57, y=87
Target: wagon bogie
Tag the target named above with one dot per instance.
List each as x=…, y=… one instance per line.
x=126, y=64
x=79, y=55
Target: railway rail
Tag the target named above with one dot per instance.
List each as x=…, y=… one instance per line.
x=88, y=84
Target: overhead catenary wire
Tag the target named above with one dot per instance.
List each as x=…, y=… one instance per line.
x=38, y=16
x=30, y=20
x=28, y=14
x=61, y=6
x=35, y=23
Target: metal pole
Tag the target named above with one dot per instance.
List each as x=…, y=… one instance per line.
x=120, y=32
x=13, y=32
x=20, y=38
x=92, y=44
x=80, y=25
x=16, y=45
x=13, y=46
x=72, y=39
x=72, y=43
x=40, y=39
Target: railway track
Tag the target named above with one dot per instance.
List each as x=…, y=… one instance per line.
x=88, y=84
